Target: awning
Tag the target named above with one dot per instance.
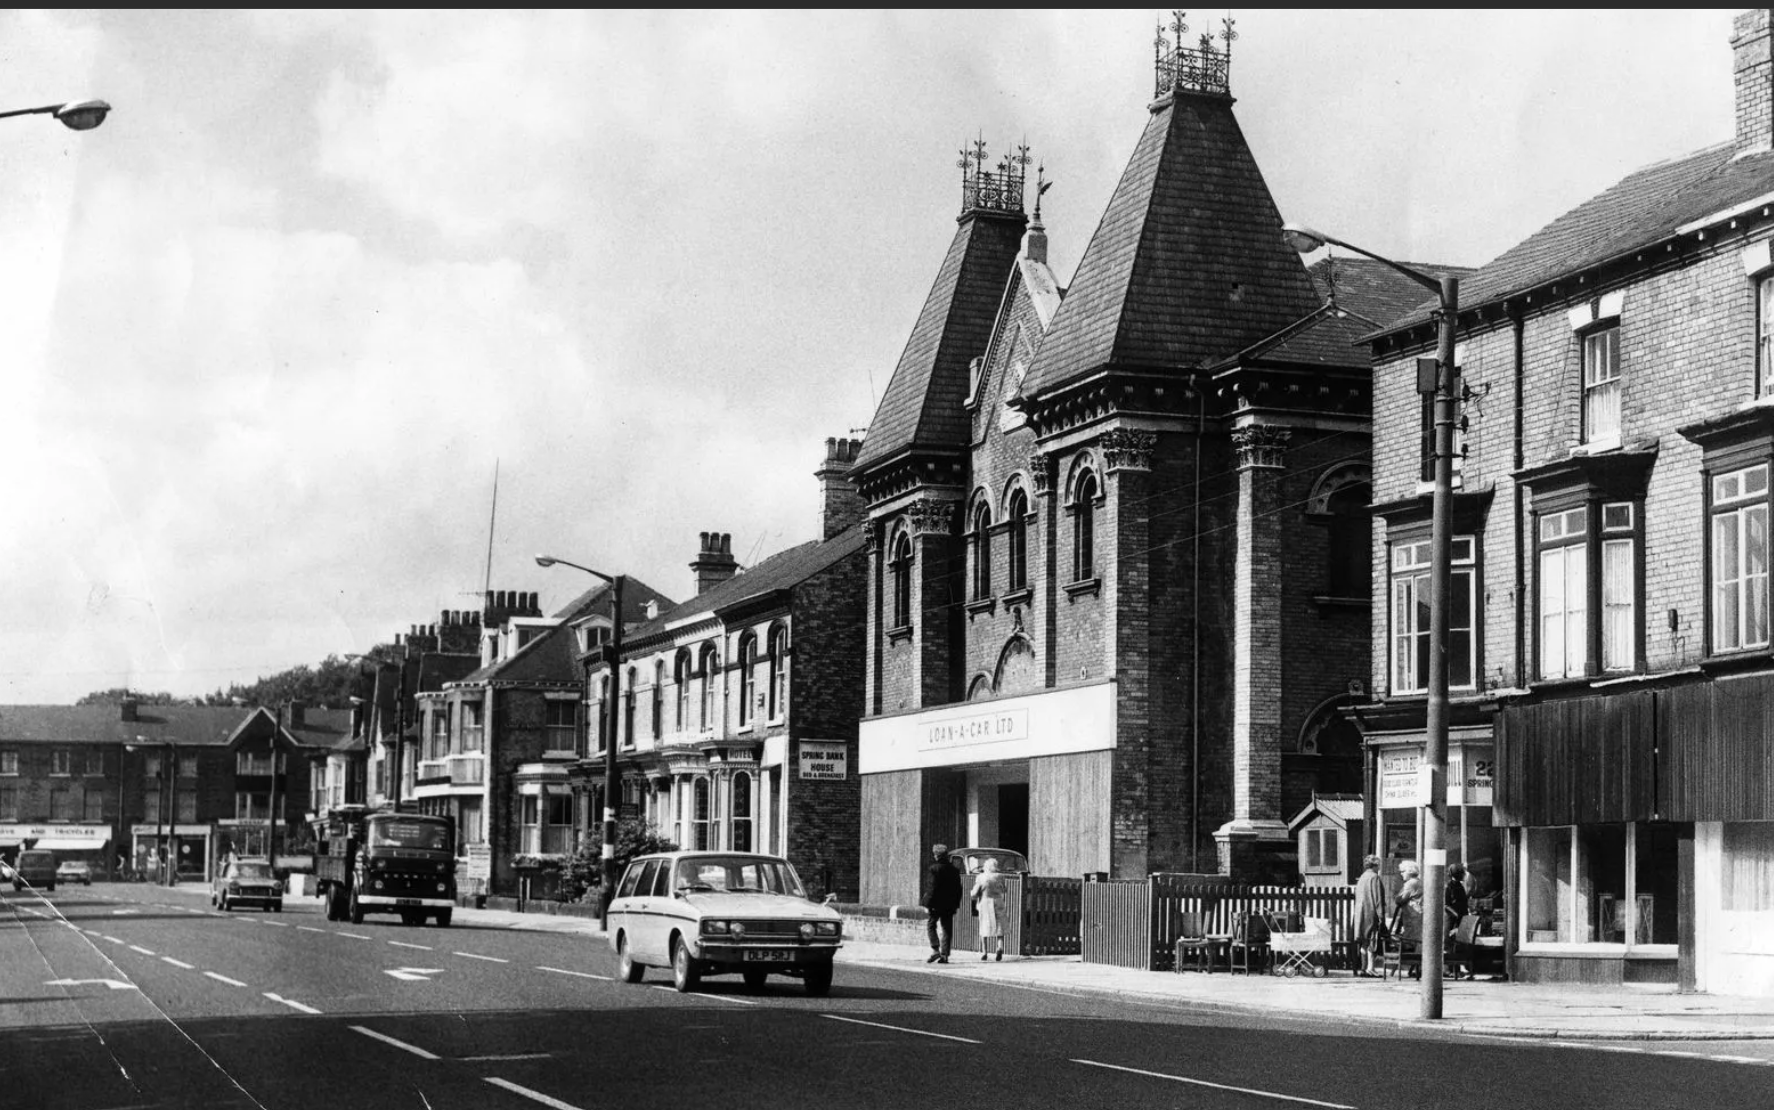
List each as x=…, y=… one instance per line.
x=84, y=844
x=10, y=842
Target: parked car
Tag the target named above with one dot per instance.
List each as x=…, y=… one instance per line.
x=721, y=913
x=247, y=882
x=35, y=867
x=74, y=871
x=971, y=861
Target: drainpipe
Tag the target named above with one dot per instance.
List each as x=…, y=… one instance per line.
x=1195, y=642
x=1521, y=580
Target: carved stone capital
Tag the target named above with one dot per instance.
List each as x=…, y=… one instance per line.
x=1040, y=472
x=932, y=517
x=1128, y=449
x=1261, y=446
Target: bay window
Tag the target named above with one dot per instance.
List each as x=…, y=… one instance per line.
x=1739, y=536
x=1588, y=589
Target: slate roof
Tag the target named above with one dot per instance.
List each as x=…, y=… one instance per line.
x=1643, y=208
x=635, y=595
x=437, y=668
x=780, y=571
x=553, y=656
x=188, y=725
x=923, y=406
x=323, y=728
x=1187, y=266
x=1367, y=295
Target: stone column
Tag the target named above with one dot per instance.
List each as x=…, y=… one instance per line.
x=1249, y=843
x=935, y=591
x=1043, y=559
x=1126, y=560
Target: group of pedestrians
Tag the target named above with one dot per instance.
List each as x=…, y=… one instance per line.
x=1375, y=925
x=943, y=901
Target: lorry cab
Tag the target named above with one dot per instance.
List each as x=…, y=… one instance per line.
x=400, y=863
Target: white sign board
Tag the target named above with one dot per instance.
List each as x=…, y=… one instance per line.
x=1055, y=722
x=1471, y=777
x=480, y=862
x=1399, y=779
x=824, y=759
x=95, y=834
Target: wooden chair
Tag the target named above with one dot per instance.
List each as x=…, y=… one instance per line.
x=1195, y=951
x=1250, y=942
x=1458, y=957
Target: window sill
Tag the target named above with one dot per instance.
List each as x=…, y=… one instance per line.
x=982, y=605
x=1020, y=596
x=1744, y=660
x=1598, y=950
x=896, y=635
x=1329, y=601
x=1084, y=587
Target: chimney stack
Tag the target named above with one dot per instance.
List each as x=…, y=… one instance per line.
x=1752, y=54
x=297, y=714
x=840, y=505
x=714, y=563
x=129, y=709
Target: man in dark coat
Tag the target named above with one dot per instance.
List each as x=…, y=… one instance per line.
x=942, y=899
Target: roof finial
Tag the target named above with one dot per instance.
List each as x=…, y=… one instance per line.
x=999, y=189
x=1203, y=68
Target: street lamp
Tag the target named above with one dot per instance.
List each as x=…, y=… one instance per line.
x=1441, y=376
x=80, y=115
x=613, y=655
x=160, y=839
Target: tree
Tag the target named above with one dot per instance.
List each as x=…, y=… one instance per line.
x=119, y=694
x=584, y=869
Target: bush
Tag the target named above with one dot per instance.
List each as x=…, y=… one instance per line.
x=582, y=871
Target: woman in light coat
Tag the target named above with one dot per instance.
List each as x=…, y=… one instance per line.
x=988, y=899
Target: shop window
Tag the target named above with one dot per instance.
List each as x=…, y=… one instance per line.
x=1739, y=613
x=741, y=812
x=1601, y=386
x=1748, y=874
x=1410, y=616
x=980, y=540
x=1612, y=884
x=1016, y=541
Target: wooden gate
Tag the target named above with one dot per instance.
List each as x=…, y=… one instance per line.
x=1116, y=925
x=1040, y=916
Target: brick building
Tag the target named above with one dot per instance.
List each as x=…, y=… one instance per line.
x=736, y=721
x=1610, y=553
x=1117, y=583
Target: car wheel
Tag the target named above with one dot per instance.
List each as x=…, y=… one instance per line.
x=685, y=975
x=755, y=977
x=630, y=971
x=277, y=907
x=818, y=978
x=443, y=918
x=355, y=912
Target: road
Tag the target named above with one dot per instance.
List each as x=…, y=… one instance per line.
x=121, y=996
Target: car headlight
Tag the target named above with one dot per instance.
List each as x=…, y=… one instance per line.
x=806, y=930
x=826, y=928
x=233, y=888
x=737, y=929
x=378, y=884
x=716, y=928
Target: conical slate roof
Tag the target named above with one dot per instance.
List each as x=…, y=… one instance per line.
x=1188, y=265
x=923, y=407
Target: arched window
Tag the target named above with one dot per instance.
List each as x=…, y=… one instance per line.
x=711, y=690
x=699, y=812
x=1016, y=540
x=748, y=677
x=902, y=581
x=982, y=551
x=628, y=708
x=778, y=671
x=658, y=698
x=1084, y=528
x=681, y=679
x=741, y=841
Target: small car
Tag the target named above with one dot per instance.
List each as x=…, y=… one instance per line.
x=74, y=871
x=721, y=913
x=971, y=861
x=247, y=882
x=35, y=867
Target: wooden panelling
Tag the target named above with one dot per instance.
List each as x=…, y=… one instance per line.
x=1577, y=760
x=893, y=851
x=1069, y=813
x=945, y=810
x=1567, y=969
x=1719, y=764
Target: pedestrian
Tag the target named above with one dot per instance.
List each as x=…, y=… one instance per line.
x=941, y=901
x=988, y=899
x=1407, y=922
x=1458, y=900
x=1370, y=915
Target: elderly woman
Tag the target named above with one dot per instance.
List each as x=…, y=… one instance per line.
x=1407, y=923
x=1370, y=914
x=988, y=899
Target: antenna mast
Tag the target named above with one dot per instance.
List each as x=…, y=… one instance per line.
x=487, y=585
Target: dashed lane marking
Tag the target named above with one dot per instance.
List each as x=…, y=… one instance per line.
x=224, y=979
x=115, y=940
x=404, y=944
x=902, y=1029
x=580, y=974
x=291, y=1003
x=711, y=997
x=1215, y=1086
x=310, y=929
x=402, y=1045
x=477, y=956
x=355, y=936
x=139, y=948
x=509, y=1056
x=179, y=963
x=537, y=1096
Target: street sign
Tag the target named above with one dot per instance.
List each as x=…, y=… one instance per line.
x=413, y=974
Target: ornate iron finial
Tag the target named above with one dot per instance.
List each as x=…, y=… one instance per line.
x=999, y=189
x=1227, y=34
x=1041, y=187
x=1201, y=68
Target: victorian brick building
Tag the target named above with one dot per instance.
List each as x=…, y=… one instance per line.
x=1610, y=635
x=1117, y=533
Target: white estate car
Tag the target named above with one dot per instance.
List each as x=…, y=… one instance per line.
x=719, y=913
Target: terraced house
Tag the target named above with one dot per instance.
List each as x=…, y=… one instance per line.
x=1610, y=645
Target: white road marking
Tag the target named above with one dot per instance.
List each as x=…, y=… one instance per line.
x=310, y=929
x=902, y=1029
x=279, y=924
x=179, y=963
x=355, y=936
x=402, y=1045
x=404, y=944
x=139, y=948
x=114, y=984
x=1216, y=1086
x=115, y=940
x=291, y=1003
x=92, y=932
x=537, y=1096
x=489, y=959
x=511, y=1056
x=580, y=974
x=413, y=974
x=224, y=979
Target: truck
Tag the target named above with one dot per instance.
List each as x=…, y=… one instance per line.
x=378, y=861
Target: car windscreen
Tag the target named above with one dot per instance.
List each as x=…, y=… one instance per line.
x=737, y=874
x=251, y=871
x=429, y=835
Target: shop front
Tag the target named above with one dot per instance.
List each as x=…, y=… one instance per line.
x=187, y=846
x=87, y=843
x=1400, y=802
x=1029, y=773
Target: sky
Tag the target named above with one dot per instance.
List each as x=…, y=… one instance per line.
x=267, y=333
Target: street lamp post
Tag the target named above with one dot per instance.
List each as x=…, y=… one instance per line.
x=79, y=115
x=169, y=752
x=613, y=654
x=1435, y=741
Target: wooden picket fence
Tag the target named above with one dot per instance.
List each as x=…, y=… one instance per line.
x=1040, y=916
x=1135, y=922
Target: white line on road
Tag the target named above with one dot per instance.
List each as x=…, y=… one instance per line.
x=354, y=936
x=179, y=963
x=291, y=1003
x=224, y=979
x=510, y=1056
x=139, y=948
x=115, y=940
x=404, y=944
x=310, y=929
x=580, y=974
x=489, y=959
x=710, y=997
x=527, y=1093
x=402, y=1045
x=902, y=1029
x=1216, y=1086
x=92, y=932
x=279, y=924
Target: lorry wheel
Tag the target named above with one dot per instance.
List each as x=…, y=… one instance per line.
x=818, y=979
x=443, y=918
x=355, y=914
x=685, y=975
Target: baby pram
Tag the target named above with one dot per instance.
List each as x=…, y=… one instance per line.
x=1294, y=951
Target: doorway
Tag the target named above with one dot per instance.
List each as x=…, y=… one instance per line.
x=1013, y=816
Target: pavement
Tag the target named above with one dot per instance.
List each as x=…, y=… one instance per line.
x=1568, y=1011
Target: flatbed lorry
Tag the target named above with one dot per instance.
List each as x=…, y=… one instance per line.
x=373, y=861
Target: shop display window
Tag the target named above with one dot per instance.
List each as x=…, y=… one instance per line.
x=1611, y=884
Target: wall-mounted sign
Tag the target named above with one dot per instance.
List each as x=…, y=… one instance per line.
x=480, y=862
x=1054, y=722
x=1471, y=777
x=824, y=759
x=96, y=834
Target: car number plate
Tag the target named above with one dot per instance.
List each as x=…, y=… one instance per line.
x=406, y=901
x=773, y=954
